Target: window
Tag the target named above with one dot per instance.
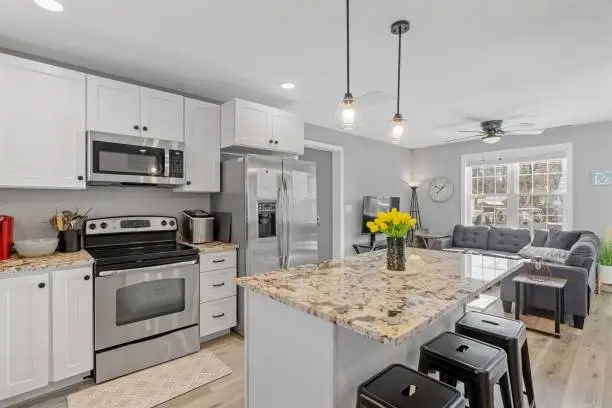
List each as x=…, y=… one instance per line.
x=527, y=188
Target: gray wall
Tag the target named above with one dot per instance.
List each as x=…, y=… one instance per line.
x=370, y=168
x=592, y=150
x=31, y=208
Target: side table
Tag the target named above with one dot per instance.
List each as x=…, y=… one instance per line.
x=558, y=284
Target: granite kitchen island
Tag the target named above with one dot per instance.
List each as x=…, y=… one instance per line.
x=315, y=332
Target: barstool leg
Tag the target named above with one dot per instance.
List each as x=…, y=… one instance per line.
x=504, y=385
x=471, y=395
x=423, y=365
x=527, y=374
x=516, y=376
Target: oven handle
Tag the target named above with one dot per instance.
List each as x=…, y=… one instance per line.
x=145, y=269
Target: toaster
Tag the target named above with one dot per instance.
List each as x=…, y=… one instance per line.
x=198, y=226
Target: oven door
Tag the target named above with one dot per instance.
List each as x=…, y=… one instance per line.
x=116, y=159
x=133, y=304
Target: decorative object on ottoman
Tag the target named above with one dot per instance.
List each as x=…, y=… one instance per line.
x=395, y=225
x=538, y=270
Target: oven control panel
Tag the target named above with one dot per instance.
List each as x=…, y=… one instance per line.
x=118, y=225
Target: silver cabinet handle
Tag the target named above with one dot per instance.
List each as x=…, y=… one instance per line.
x=218, y=285
x=145, y=269
x=218, y=316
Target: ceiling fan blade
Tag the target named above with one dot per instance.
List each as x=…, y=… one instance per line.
x=465, y=138
x=470, y=131
x=523, y=124
x=525, y=131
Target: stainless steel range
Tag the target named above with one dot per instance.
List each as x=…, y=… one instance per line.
x=146, y=294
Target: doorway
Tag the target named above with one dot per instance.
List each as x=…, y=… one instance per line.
x=323, y=161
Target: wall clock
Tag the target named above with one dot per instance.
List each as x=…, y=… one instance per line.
x=441, y=189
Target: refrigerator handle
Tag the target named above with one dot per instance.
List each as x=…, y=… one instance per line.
x=279, y=225
x=287, y=225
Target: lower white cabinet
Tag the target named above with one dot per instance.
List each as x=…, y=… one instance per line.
x=46, y=334
x=218, y=301
x=72, y=322
x=24, y=334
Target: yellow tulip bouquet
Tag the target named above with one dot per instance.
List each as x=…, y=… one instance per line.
x=393, y=224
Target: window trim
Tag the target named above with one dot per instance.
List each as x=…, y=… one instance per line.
x=563, y=150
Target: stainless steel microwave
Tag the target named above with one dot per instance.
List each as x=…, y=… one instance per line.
x=129, y=160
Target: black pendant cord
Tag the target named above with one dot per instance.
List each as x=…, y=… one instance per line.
x=348, y=56
x=399, y=71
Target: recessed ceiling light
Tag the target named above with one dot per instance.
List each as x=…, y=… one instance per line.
x=287, y=85
x=51, y=5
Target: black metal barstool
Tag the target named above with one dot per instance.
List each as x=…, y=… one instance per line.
x=510, y=335
x=478, y=365
x=398, y=386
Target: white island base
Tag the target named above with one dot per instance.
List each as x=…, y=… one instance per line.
x=296, y=360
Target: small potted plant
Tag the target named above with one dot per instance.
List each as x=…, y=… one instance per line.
x=395, y=225
x=604, y=262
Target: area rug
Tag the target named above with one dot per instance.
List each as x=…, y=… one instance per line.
x=155, y=385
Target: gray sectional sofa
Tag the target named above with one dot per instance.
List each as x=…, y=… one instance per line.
x=578, y=268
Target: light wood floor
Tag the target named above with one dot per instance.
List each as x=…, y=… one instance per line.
x=572, y=372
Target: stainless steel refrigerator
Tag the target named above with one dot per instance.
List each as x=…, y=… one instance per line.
x=273, y=202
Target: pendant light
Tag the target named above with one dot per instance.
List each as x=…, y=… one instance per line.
x=397, y=123
x=347, y=114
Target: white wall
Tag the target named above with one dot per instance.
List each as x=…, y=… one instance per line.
x=370, y=168
x=592, y=150
x=32, y=208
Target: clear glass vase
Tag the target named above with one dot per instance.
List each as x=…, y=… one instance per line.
x=396, y=254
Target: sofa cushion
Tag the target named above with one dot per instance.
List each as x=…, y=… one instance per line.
x=584, y=251
x=508, y=239
x=554, y=255
x=470, y=237
x=539, y=238
x=561, y=239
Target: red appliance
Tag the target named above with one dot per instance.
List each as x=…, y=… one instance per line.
x=6, y=236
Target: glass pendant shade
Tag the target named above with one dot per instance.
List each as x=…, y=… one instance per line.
x=347, y=114
x=397, y=129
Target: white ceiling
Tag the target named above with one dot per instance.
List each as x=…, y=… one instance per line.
x=548, y=62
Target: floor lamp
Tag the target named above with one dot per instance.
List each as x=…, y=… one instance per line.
x=414, y=211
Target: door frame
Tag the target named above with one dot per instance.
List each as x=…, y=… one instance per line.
x=337, y=192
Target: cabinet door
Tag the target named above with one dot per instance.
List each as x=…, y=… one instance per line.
x=253, y=124
x=24, y=339
x=288, y=132
x=113, y=106
x=42, y=125
x=71, y=322
x=161, y=115
x=202, y=149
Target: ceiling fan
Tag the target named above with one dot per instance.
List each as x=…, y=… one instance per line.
x=493, y=131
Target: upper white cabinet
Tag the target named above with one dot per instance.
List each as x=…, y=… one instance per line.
x=202, y=150
x=252, y=125
x=126, y=109
x=161, y=115
x=24, y=339
x=42, y=125
x=72, y=322
x=113, y=106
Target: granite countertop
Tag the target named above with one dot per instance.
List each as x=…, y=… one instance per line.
x=212, y=247
x=390, y=307
x=55, y=260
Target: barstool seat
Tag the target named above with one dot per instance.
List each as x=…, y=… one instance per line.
x=398, y=386
x=479, y=366
x=511, y=336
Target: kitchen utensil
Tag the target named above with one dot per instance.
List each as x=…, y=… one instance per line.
x=6, y=236
x=36, y=247
x=70, y=241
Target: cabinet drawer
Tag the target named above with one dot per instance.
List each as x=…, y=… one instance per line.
x=217, y=284
x=217, y=315
x=218, y=260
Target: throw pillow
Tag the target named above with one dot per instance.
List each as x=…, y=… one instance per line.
x=553, y=255
x=561, y=239
x=539, y=238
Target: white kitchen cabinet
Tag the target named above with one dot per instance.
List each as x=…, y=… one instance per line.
x=24, y=334
x=126, y=109
x=251, y=125
x=113, y=106
x=161, y=115
x=217, y=316
x=202, y=147
x=218, y=301
x=288, y=131
x=72, y=322
x=42, y=125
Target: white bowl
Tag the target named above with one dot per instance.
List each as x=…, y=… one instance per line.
x=36, y=247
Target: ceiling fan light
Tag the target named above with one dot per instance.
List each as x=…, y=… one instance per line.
x=347, y=114
x=491, y=139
